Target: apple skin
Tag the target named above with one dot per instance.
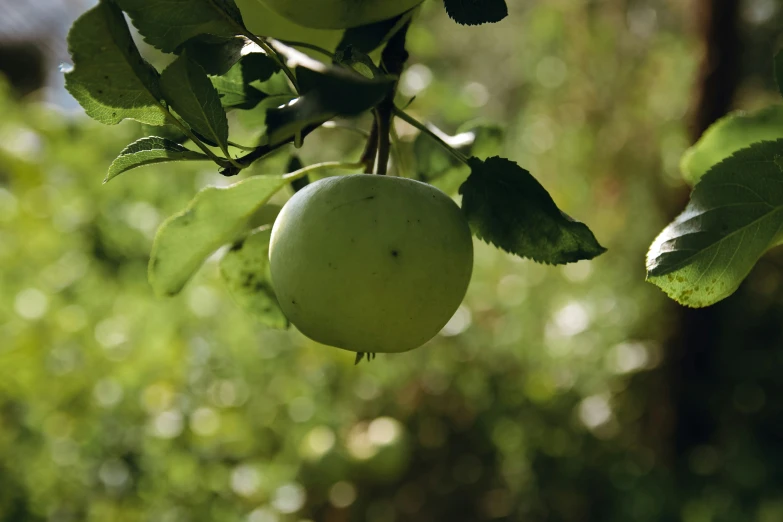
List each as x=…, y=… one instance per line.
x=370, y=263
x=339, y=14
x=262, y=20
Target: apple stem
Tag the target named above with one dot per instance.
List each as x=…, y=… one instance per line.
x=371, y=149
x=383, y=124
x=304, y=171
x=393, y=60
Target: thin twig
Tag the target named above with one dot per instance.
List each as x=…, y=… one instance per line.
x=393, y=60
x=383, y=124
x=371, y=148
x=423, y=128
x=310, y=46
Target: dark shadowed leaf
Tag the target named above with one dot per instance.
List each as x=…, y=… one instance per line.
x=215, y=217
x=214, y=54
x=367, y=38
x=295, y=163
x=149, y=150
x=326, y=93
x=476, y=12
x=245, y=270
x=508, y=208
x=779, y=70
x=735, y=215
x=168, y=24
x=189, y=92
x=240, y=87
x=110, y=79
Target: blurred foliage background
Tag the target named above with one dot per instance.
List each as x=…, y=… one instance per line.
x=554, y=394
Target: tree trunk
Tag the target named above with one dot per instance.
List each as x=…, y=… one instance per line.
x=692, y=348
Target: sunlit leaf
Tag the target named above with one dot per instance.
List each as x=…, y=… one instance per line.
x=215, y=217
x=735, y=215
x=110, y=79
x=730, y=134
x=508, y=208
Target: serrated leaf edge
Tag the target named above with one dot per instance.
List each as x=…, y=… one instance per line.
x=125, y=152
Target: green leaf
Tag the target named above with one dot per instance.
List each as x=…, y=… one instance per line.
x=238, y=88
x=735, y=215
x=779, y=70
x=476, y=12
x=507, y=207
x=728, y=135
x=214, y=54
x=189, y=92
x=360, y=62
x=168, y=24
x=149, y=150
x=245, y=270
x=254, y=120
x=215, y=217
x=326, y=92
x=110, y=79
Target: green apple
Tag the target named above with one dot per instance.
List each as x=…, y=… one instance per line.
x=339, y=14
x=370, y=263
x=262, y=20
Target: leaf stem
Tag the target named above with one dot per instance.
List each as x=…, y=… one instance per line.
x=192, y=137
x=371, y=148
x=261, y=42
x=305, y=45
x=275, y=56
x=423, y=128
x=383, y=124
x=331, y=124
x=298, y=174
x=261, y=151
x=240, y=147
x=393, y=58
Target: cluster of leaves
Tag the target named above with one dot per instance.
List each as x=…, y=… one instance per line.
x=736, y=209
x=219, y=66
